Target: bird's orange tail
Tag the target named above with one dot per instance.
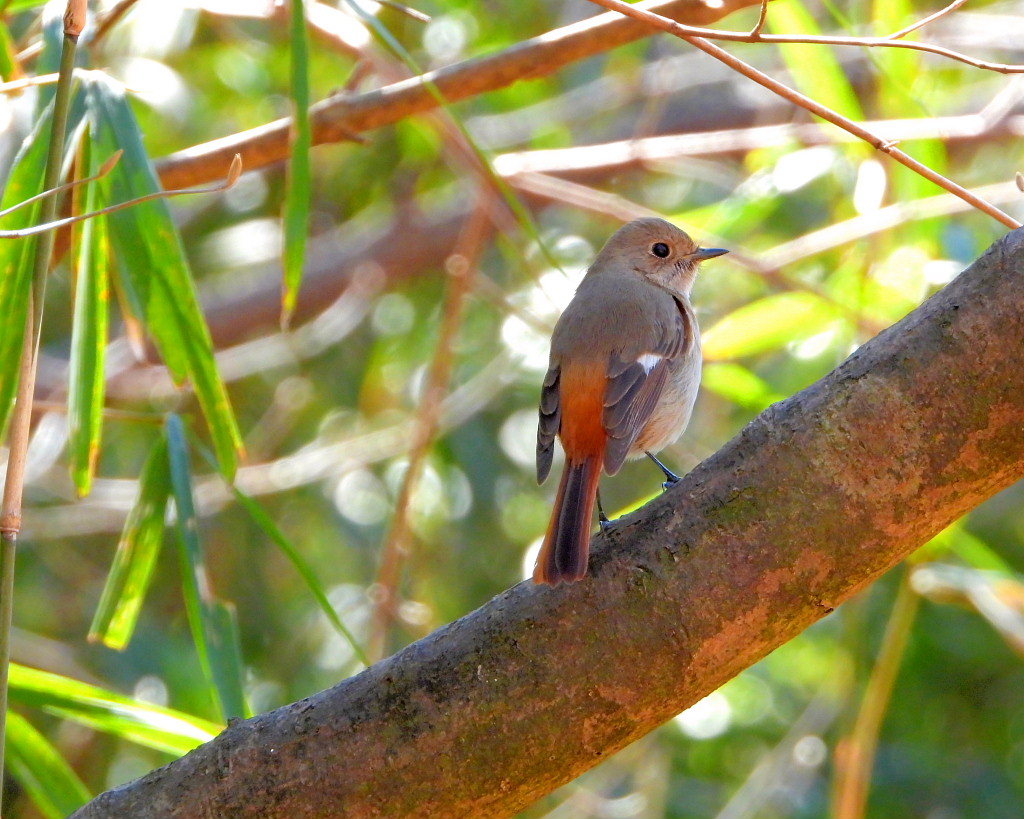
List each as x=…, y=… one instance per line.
x=563, y=557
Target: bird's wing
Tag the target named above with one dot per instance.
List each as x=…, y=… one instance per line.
x=637, y=375
x=550, y=421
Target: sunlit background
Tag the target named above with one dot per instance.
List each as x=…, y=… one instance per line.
x=831, y=243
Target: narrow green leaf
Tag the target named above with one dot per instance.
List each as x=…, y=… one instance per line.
x=767, y=324
x=8, y=64
x=299, y=182
x=815, y=69
x=153, y=270
x=736, y=383
x=22, y=5
x=270, y=529
x=970, y=548
x=41, y=771
x=305, y=570
x=137, y=552
x=151, y=726
x=212, y=624
x=88, y=338
x=499, y=183
x=901, y=66
x=16, y=260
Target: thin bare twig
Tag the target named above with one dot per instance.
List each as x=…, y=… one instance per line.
x=16, y=86
x=931, y=18
x=461, y=268
x=867, y=224
x=608, y=157
x=103, y=25
x=107, y=506
x=233, y=173
x=106, y=168
x=832, y=39
x=114, y=414
x=755, y=32
x=809, y=104
x=618, y=207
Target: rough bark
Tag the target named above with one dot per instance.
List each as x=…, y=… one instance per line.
x=337, y=118
x=815, y=499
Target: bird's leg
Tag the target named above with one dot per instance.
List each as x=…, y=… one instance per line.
x=602, y=518
x=671, y=478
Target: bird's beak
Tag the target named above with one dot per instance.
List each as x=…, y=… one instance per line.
x=704, y=253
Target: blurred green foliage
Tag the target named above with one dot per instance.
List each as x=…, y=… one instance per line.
x=328, y=411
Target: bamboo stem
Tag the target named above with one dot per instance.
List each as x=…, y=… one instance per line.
x=14, y=484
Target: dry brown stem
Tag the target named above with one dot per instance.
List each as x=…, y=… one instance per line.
x=461, y=267
x=855, y=755
x=815, y=499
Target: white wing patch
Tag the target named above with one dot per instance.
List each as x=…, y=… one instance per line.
x=648, y=360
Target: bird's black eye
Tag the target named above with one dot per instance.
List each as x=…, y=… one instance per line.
x=660, y=249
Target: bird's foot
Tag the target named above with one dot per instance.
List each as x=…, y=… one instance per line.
x=602, y=518
x=671, y=478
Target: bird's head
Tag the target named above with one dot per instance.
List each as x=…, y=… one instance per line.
x=656, y=250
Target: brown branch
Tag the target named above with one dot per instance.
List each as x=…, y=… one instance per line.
x=488, y=714
x=107, y=506
x=931, y=18
x=620, y=208
x=608, y=157
x=762, y=18
x=809, y=104
x=461, y=268
x=337, y=118
x=837, y=40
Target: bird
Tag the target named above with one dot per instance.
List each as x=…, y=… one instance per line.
x=622, y=378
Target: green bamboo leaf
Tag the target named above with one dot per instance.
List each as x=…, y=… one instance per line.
x=22, y=5
x=968, y=547
x=905, y=89
x=153, y=270
x=88, y=338
x=815, y=69
x=299, y=182
x=137, y=552
x=736, y=383
x=41, y=771
x=17, y=257
x=767, y=324
x=151, y=726
x=305, y=570
x=520, y=212
x=211, y=621
x=271, y=530
x=8, y=64
x=901, y=66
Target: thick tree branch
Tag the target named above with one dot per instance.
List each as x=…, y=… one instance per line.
x=338, y=117
x=814, y=500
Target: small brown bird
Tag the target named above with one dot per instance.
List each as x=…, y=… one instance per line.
x=623, y=375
